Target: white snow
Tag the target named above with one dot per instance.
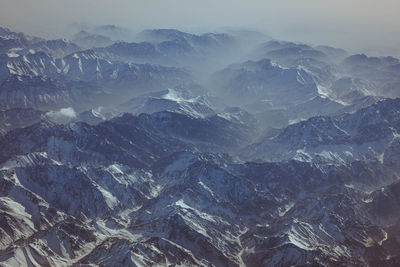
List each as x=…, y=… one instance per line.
x=12, y=54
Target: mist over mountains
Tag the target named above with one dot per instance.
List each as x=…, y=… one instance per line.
x=359, y=26
x=173, y=148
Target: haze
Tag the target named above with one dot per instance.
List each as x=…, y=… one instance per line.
x=358, y=25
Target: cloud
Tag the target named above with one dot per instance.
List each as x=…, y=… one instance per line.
x=62, y=115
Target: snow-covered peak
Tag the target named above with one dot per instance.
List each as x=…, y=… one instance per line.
x=363, y=135
x=177, y=100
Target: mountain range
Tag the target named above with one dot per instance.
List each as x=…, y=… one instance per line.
x=167, y=148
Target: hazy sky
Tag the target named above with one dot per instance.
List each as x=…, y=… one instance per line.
x=370, y=24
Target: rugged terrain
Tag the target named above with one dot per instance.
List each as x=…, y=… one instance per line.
x=196, y=150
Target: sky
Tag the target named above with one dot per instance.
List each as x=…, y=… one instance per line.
x=369, y=25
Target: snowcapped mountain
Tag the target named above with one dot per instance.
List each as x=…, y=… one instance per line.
x=44, y=93
x=32, y=64
x=113, y=31
x=288, y=53
x=176, y=100
x=120, y=153
x=189, y=208
x=383, y=72
x=6, y=44
x=136, y=52
x=11, y=40
x=56, y=48
x=41, y=81
x=335, y=54
x=264, y=80
x=264, y=87
x=14, y=44
x=91, y=66
x=90, y=40
x=158, y=131
x=309, y=88
x=363, y=135
x=83, y=65
x=173, y=48
x=204, y=40
x=36, y=92
x=95, y=116
x=11, y=119
x=350, y=89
